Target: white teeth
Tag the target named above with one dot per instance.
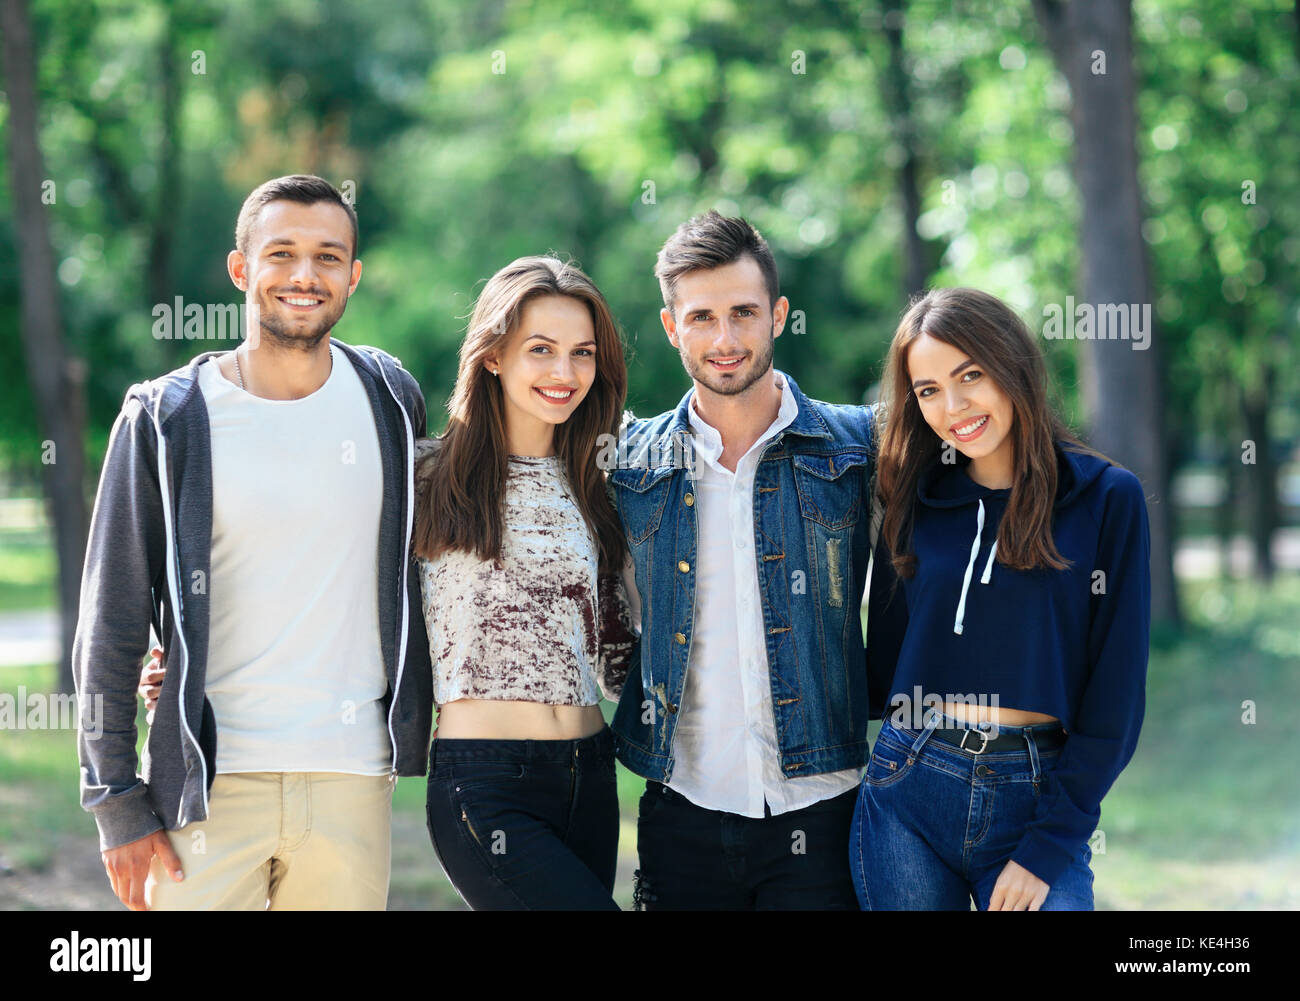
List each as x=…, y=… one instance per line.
x=970, y=428
x=727, y=364
x=554, y=395
x=300, y=302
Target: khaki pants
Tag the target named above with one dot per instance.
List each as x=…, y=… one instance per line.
x=283, y=841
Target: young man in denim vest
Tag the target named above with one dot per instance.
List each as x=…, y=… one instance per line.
x=746, y=511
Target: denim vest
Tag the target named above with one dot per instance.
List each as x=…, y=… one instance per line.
x=811, y=513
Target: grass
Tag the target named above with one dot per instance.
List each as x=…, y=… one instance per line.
x=27, y=571
x=38, y=781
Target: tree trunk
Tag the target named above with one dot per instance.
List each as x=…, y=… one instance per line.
x=57, y=380
x=898, y=99
x=1225, y=520
x=1262, y=476
x=1122, y=386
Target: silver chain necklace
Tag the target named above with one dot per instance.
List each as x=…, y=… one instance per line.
x=238, y=374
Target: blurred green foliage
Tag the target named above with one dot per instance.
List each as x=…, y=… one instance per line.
x=475, y=133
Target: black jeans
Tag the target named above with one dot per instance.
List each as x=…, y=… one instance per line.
x=697, y=859
x=527, y=824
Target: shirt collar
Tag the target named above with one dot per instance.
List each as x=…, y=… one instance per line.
x=708, y=441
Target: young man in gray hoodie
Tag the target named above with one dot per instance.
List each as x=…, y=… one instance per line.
x=255, y=510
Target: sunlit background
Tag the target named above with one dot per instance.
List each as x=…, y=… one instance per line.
x=881, y=147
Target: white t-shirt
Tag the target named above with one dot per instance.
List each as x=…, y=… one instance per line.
x=295, y=669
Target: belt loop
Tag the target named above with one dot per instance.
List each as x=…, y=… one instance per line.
x=929, y=721
x=1033, y=753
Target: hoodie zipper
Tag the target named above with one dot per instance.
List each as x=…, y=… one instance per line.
x=410, y=500
x=174, y=590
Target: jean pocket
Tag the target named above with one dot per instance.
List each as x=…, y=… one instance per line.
x=468, y=775
x=889, y=763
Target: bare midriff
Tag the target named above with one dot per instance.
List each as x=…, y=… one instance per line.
x=999, y=715
x=483, y=719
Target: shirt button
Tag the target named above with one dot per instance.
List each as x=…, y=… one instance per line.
x=684, y=567
x=688, y=500
x=680, y=638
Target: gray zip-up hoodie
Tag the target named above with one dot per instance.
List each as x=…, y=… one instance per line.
x=147, y=564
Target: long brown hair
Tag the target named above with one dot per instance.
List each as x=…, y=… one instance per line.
x=997, y=340
x=461, y=475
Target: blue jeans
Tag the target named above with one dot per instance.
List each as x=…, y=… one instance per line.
x=526, y=824
x=935, y=825
x=697, y=859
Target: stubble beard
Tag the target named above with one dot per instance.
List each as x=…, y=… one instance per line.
x=702, y=373
x=282, y=336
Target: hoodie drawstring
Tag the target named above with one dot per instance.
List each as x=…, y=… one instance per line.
x=988, y=567
x=970, y=567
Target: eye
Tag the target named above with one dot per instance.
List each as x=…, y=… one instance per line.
x=745, y=312
x=585, y=351
x=277, y=253
x=538, y=347
x=330, y=257
x=925, y=392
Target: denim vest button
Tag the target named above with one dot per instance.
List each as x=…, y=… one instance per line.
x=680, y=638
x=688, y=500
x=684, y=567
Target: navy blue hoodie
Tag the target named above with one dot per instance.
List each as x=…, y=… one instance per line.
x=1070, y=643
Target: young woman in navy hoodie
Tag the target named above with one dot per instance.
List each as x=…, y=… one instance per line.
x=1012, y=602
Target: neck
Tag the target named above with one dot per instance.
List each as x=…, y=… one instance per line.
x=277, y=373
x=741, y=417
x=530, y=438
x=995, y=471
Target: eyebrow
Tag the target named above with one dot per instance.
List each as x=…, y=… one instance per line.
x=551, y=340
x=706, y=309
x=927, y=382
x=284, y=241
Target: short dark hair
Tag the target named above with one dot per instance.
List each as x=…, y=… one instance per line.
x=306, y=189
x=710, y=241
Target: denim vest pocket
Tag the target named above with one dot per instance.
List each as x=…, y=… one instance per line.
x=829, y=486
x=641, y=495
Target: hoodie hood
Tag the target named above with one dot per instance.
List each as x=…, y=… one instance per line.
x=942, y=486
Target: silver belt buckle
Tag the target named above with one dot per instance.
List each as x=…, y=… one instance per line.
x=968, y=732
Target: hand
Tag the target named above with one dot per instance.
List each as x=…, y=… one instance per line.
x=128, y=867
x=151, y=679
x=1017, y=889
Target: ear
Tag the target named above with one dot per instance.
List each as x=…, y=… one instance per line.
x=780, y=310
x=237, y=268
x=670, y=326
x=356, y=277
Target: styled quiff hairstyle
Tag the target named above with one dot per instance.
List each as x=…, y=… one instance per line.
x=711, y=241
x=305, y=189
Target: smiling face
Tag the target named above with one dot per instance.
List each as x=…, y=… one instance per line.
x=546, y=365
x=961, y=404
x=723, y=326
x=299, y=270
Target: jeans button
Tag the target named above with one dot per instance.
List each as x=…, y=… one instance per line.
x=983, y=770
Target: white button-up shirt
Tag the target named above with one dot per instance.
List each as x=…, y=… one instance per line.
x=725, y=747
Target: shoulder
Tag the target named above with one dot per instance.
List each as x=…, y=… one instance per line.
x=636, y=428
x=1122, y=493
x=388, y=368
x=848, y=424
x=161, y=397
